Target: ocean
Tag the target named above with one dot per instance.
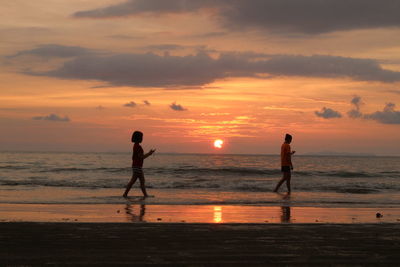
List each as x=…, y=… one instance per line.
x=199, y=179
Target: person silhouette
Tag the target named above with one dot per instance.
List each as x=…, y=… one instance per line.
x=138, y=157
x=286, y=163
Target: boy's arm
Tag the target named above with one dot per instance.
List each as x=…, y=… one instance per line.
x=289, y=156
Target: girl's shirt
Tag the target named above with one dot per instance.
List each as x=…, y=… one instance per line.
x=136, y=160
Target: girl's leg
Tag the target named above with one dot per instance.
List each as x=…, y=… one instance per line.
x=129, y=185
x=142, y=185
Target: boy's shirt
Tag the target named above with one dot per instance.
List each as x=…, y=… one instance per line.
x=136, y=161
x=285, y=154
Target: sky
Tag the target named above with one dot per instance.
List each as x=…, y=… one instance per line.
x=82, y=75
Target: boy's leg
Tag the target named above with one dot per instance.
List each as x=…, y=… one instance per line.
x=129, y=185
x=288, y=177
x=280, y=182
x=142, y=185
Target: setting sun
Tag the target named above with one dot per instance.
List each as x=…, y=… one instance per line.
x=218, y=143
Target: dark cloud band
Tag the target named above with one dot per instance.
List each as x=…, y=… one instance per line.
x=152, y=70
x=280, y=16
x=54, y=50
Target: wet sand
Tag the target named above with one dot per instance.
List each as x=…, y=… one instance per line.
x=111, y=244
x=134, y=212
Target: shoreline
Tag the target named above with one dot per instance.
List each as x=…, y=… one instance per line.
x=133, y=212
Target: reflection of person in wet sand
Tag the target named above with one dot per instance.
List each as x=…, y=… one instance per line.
x=285, y=214
x=131, y=214
x=286, y=163
x=138, y=157
x=285, y=210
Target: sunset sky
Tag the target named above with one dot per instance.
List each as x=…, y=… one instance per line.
x=81, y=75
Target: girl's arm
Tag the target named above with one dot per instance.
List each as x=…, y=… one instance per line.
x=148, y=153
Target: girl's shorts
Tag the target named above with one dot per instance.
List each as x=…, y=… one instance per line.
x=137, y=171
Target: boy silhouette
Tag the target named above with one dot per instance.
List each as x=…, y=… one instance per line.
x=286, y=163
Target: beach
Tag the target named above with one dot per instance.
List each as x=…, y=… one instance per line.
x=140, y=212
x=111, y=244
x=199, y=235
x=206, y=210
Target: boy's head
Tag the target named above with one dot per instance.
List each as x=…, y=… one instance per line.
x=137, y=137
x=288, y=138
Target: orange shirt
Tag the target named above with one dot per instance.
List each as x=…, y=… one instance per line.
x=285, y=154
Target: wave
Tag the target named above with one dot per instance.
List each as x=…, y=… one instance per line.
x=346, y=174
x=105, y=169
x=204, y=184
x=193, y=171
x=14, y=167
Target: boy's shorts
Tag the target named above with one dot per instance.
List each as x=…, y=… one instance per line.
x=285, y=169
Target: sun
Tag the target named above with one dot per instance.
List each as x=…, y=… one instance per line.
x=218, y=143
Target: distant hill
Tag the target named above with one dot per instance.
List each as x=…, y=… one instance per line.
x=333, y=153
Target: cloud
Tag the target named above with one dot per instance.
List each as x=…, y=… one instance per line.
x=311, y=16
x=177, y=107
x=328, y=113
x=328, y=67
x=100, y=107
x=147, y=103
x=142, y=70
x=152, y=70
x=209, y=35
x=54, y=50
x=280, y=16
x=356, y=101
x=52, y=117
x=134, y=7
x=165, y=47
x=388, y=116
x=355, y=113
x=130, y=104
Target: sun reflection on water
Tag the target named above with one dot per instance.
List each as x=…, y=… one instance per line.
x=217, y=214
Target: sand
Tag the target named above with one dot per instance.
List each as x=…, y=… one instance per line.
x=197, y=235
x=133, y=212
x=111, y=244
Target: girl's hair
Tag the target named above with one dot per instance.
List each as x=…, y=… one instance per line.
x=137, y=137
x=288, y=137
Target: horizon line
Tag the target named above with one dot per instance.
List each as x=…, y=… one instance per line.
x=309, y=154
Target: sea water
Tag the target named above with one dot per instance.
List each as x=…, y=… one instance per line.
x=191, y=179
